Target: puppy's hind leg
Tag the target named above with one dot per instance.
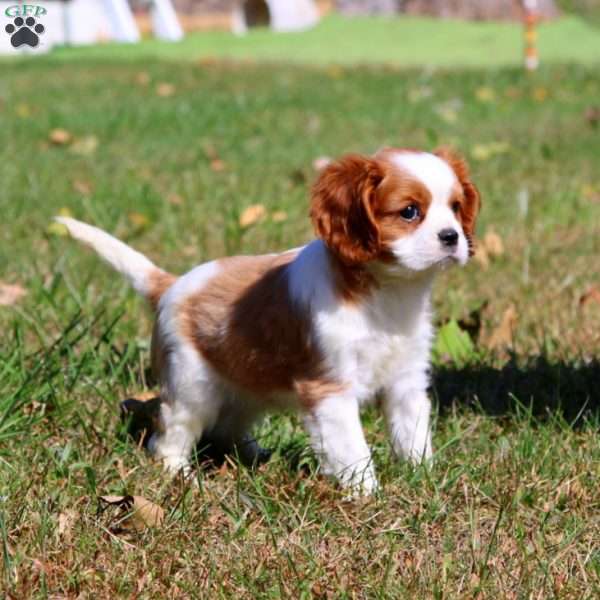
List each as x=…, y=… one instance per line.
x=231, y=434
x=190, y=406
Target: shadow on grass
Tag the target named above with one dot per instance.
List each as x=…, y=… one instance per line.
x=541, y=388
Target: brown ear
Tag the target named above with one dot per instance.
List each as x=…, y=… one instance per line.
x=342, y=208
x=470, y=209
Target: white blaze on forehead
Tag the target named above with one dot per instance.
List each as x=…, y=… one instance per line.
x=435, y=173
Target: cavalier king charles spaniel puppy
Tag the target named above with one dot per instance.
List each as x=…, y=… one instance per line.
x=324, y=328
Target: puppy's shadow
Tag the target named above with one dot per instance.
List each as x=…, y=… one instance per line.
x=541, y=387
x=141, y=419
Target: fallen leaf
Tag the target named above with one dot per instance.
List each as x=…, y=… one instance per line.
x=82, y=187
x=85, y=146
x=208, y=61
x=513, y=92
x=64, y=211
x=486, y=151
x=279, y=216
x=11, y=293
x=592, y=115
x=66, y=521
x=217, y=165
x=142, y=78
x=321, y=162
x=502, y=336
x=453, y=343
x=147, y=514
x=592, y=296
x=590, y=192
x=448, y=111
x=136, y=511
x=164, y=90
x=493, y=244
x=335, y=72
x=210, y=150
x=60, y=137
x=481, y=256
x=485, y=94
x=138, y=220
x=175, y=199
x=420, y=93
x=252, y=215
x=23, y=110
x=539, y=94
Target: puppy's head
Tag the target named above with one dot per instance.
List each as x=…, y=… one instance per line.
x=404, y=210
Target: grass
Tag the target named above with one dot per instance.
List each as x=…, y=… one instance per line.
x=509, y=508
x=406, y=41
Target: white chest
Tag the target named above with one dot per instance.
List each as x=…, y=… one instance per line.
x=370, y=353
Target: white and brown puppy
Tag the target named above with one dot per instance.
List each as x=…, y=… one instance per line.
x=323, y=328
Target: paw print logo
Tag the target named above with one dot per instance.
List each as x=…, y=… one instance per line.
x=24, y=32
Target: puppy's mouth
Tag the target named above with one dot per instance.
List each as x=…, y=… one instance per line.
x=447, y=261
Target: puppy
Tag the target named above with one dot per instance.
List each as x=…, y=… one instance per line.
x=323, y=328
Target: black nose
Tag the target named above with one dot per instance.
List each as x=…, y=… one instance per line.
x=448, y=237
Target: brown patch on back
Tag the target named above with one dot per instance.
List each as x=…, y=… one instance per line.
x=158, y=283
x=244, y=324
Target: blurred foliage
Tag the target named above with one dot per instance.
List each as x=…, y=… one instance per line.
x=586, y=9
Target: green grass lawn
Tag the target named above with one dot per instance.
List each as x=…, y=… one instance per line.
x=509, y=508
x=406, y=41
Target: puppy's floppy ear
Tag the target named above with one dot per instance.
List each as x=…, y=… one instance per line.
x=472, y=205
x=342, y=208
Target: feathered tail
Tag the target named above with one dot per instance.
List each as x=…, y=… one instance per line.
x=146, y=278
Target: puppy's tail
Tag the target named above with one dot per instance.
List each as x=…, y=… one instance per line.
x=146, y=278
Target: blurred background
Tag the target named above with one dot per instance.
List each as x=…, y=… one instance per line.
x=193, y=129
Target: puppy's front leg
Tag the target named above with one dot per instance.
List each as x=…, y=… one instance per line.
x=338, y=440
x=407, y=412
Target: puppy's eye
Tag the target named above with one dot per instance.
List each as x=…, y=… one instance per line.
x=410, y=213
x=455, y=207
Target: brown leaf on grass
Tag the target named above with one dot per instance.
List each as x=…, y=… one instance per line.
x=493, y=244
x=217, y=165
x=502, y=336
x=175, y=199
x=488, y=248
x=481, y=256
x=23, y=110
x=138, y=220
x=592, y=115
x=60, y=137
x=592, y=296
x=11, y=293
x=210, y=150
x=485, y=94
x=279, y=216
x=165, y=90
x=82, y=187
x=85, y=146
x=135, y=512
x=142, y=78
x=539, y=94
x=66, y=520
x=251, y=215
